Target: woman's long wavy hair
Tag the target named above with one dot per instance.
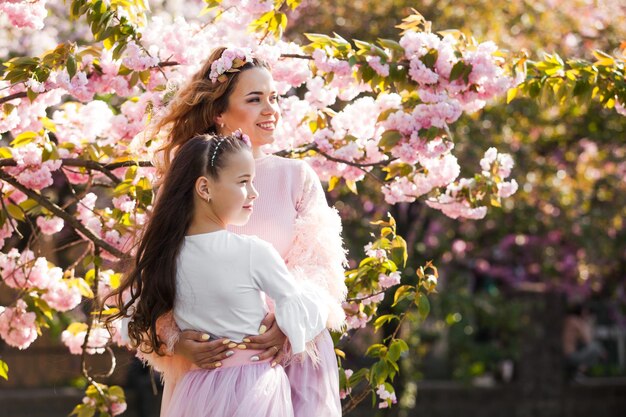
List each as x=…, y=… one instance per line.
x=196, y=106
x=148, y=291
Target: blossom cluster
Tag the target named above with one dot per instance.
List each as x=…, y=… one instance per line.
x=454, y=202
x=17, y=325
x=230, y=60
x=25, y=13
x=387, y=395
x=31, y=170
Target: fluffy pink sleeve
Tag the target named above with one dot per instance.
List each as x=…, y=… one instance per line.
x=317, y=254
x=170, y=365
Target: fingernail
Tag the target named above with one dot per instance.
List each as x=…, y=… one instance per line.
x=205, y=336
x=218, y=364
x=226, y=341
x=262, y=329
x=229, y=353
x=232, y=345
x=273, y=364
x=255, y=358
x=246, y=340
x=242, y=347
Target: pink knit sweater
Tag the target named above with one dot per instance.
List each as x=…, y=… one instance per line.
x=293, y=215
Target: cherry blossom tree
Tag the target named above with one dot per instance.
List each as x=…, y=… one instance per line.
x=373, y=117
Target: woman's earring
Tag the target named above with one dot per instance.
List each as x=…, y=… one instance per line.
x=222, y=125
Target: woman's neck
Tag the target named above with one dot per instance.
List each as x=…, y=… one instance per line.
x=257, y=153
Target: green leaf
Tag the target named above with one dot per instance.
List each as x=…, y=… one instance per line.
x=376, y=350
x=423, y=305
x=404, y=291
x=399, y=253
x=24, y=139
x=4, y=370
x=380, y=321
x=15, y=212
x=379, y=372
x=5, y=153
x=389, y=139
x=430, y=58
x=71, y=66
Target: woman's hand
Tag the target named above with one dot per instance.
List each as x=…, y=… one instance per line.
x=270, y=339
x=202, y=352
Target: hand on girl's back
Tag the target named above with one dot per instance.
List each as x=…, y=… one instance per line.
x=271, y=341
x=203, y=352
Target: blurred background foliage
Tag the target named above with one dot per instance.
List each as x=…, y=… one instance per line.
x=564, y=230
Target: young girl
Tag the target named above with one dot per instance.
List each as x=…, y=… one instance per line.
x=213, y=281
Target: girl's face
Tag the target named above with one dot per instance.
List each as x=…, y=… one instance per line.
x=252, y=107
x=232, y=193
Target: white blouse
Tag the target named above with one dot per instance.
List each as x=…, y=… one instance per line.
x=219, y=284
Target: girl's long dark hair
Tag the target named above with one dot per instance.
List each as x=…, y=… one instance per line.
x=151, y=282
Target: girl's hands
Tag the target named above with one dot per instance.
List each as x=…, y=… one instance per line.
x=271, y=340
x=202, y=352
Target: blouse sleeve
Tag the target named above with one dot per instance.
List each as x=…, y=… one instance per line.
x=300, y=311
x=317, y=255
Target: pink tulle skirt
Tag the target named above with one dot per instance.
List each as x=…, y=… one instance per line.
x=315, y=388
x=239, y=389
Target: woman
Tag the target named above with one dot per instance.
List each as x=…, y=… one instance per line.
x=236, y=91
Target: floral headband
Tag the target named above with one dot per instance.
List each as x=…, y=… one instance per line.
x=231, y=60
x=237, y=134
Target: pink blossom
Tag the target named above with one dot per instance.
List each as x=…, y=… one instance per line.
x=386, y=281
x=98, y=338
x=137, y=59
x=380, y=68
x=331, y=64
x=368, y=299
x=17, y=326
x=318, y=94
x=6, y=231
x=507, y=189
x=124, y=203
x=455, y=209
x=25, y=14
x=62, y=296
x=118, y=408
x=24, y=271
x=377, y=253
x=357, y=321
x=387, y=397
x=421, y=74
x=489, y=158
x=50, y=225
x=256, y=7
x=419, y=43
x=505, y=164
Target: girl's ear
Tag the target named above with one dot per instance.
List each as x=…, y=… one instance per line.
x=219, y=120
x=203, y=188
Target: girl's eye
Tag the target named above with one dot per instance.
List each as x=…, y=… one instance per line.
x=252, y=100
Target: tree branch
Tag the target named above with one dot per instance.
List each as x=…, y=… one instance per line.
x=59, y=212
x=8, y=98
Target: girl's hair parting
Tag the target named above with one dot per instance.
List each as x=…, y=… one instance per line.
x=148, y=291
x=196, y=106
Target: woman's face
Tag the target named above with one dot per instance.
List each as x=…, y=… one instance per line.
x=252, y=107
